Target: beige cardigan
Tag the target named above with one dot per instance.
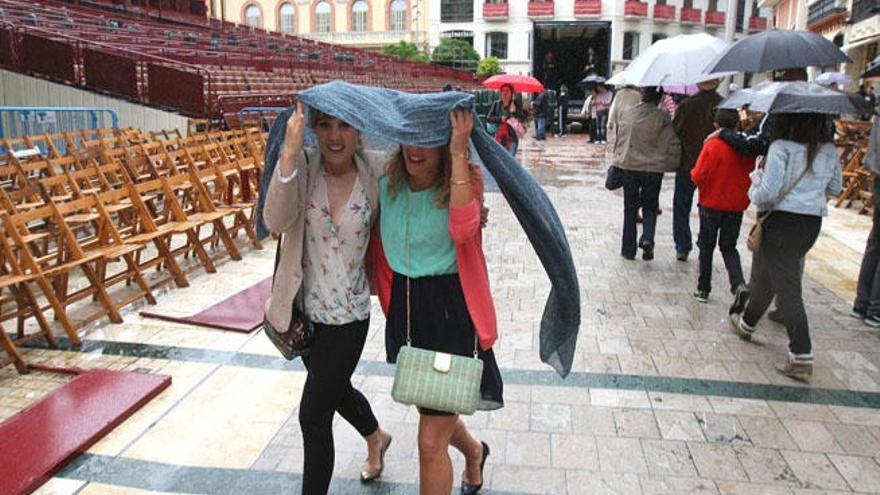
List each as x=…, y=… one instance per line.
x=283, y=214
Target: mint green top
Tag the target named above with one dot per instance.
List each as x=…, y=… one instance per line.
x=432, y=251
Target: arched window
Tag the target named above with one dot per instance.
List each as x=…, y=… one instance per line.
x=398, y=15
x=252, y=16
x=287, y=16
x=359, y=12
x=322, y=17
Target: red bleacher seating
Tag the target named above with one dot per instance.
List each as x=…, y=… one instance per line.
x=197, y=66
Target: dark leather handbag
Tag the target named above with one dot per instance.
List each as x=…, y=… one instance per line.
x=613, y=178
x=297, y=340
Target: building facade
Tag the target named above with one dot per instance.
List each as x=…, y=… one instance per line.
x=519, y=32
x=367, y=24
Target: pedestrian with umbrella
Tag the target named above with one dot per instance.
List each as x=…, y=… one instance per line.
x=693, y=121
x=506, y=117
x=646, y=147
x=790, y=191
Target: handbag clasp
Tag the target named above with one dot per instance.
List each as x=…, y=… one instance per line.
x=442, y=362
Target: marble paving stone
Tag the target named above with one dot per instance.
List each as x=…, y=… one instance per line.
x=814, y=470
x=739, y=488
x=803, y=412
x=528, y=449
x=716, y=461
x=811, y=436
x=533, y=480
x=621, y=455
x=60, y=486
x=750, y=407
x=855, y=439
x=639, y=423
x=551, y=418
x=557, y=395
x=619, y=398
x=862, y=473
x=679, y=402
x=513, y=416
x=721, y=428
x=670, y=485
x=593, y=420
x=575, y=452
x=668, y=458
x=588, y=483
x=767, y=432
x=764, y=465
x=676, y=425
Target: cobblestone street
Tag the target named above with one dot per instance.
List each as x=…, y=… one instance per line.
x=663, y=398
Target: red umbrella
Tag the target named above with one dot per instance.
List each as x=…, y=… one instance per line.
x=521, y=84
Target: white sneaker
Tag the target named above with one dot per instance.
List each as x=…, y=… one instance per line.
x=742, y=329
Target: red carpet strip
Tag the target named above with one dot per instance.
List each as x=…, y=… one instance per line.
x=242, y=312
x=41, y=439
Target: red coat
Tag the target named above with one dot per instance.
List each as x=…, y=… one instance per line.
x=467, y=234
x=722, y=176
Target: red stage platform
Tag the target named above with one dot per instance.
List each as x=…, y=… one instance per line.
x=41, y=439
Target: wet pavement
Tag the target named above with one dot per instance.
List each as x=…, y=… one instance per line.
x=663, y=398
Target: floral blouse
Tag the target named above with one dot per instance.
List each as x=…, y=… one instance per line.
x=336, y=287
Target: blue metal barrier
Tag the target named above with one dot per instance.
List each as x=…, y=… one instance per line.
x=16, y=122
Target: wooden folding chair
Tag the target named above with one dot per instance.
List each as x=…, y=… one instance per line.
x=15, y=290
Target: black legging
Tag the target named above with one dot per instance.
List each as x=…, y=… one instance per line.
x=330, y=364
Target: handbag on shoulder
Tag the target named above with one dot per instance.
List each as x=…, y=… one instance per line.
x=435, y=380
x=297, y=340
x=756, y=234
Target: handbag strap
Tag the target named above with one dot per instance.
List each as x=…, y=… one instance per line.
x=786, y=193
x=409, y=269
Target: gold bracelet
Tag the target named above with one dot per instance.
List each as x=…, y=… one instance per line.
x=460, y=182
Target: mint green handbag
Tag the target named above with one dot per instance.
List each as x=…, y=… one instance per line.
x=431, y=379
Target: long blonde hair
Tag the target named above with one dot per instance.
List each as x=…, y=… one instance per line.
x=397, y=176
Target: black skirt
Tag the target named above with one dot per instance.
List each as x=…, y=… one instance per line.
x=440, y=322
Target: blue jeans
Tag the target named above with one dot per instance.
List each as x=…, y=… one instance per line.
x=682, y=201
x=640, y=190
x=601, y=124
x=540, y=128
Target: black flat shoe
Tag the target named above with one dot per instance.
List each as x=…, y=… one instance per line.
x=467, y=489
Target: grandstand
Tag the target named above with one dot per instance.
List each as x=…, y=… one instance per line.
x=169, y=54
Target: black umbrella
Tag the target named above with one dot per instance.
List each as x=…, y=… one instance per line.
x=778, y=49
x=792, y=97
x=592, y=79
x=873, y=69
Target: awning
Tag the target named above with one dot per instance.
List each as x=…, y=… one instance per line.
x=832, y=34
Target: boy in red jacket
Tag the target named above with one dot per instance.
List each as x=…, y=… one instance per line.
x=722, y=176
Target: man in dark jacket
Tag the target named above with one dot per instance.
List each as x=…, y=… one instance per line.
x=694, y=120
x=539, y=110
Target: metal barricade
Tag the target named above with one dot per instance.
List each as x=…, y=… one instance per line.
x=16, y=122
x=264, y=116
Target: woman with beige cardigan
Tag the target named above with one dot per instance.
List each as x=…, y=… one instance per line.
x=324, y=201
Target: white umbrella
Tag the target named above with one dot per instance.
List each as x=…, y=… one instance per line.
x=830, y=78
x=677, y=61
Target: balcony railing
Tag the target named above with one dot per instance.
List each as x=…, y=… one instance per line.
x=664, y=12
x=540, y=9
x=495, y=11
x=693, y=16
x=587, y=8
x=863, y=9
x=369, y=37
x=636, y=9
x=715, y=18
x=826, y=10
x=757, y=23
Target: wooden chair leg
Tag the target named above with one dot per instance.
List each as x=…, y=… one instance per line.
x=13, y=353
